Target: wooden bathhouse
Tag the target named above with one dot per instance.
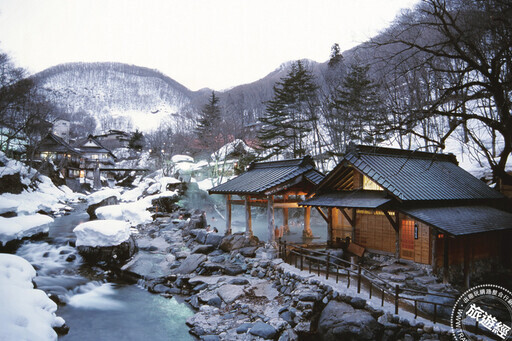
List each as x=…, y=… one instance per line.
x=275, y=185
x=417, y=206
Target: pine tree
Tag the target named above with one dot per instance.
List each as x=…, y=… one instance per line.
x=208, y=129
x=137, y=140
x=357, y=108
x=290, y=114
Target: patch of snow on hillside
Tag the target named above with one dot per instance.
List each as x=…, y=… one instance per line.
x=26, y=313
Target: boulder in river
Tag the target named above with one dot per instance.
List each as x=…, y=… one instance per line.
x=108, y=241
x=340, y=321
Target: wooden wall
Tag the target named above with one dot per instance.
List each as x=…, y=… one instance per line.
x=374, y=231
x=422, y=245
x=479, y=246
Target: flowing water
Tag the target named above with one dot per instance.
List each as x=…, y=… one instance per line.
x=96, y=307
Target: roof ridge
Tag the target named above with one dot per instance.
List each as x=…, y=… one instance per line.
x=396, y=152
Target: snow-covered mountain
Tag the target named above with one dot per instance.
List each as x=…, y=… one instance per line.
x=148, y=97
x=113, y=89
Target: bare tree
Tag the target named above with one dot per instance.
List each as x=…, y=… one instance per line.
x=464, y=49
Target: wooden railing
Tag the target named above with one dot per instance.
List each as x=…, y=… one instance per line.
x=323, y=263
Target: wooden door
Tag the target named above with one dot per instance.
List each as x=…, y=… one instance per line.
x=407, y=239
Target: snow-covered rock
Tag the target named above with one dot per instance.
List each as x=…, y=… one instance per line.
x=26, y=313
x=134, y=213
x=182, y=158
x=102, y=233
x=23, y=226
x=103, y=194
x=229, y=148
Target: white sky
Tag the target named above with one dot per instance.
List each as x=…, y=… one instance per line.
x=199, y=43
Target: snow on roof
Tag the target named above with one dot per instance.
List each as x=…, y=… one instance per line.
x=23, y=226
x=102, y=233
x=27, y=313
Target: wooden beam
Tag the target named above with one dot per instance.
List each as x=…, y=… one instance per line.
x=286, y=205
x=307, y=222
x=270, y=219
x=322, y=213
x=228, y=214
x=394, y=222
x=350, y=219
x=248, y=219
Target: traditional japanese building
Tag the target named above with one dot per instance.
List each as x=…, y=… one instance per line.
x=63, y=155
x=417, y=206
x=275, y=185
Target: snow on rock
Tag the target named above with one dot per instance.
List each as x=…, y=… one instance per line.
x=229, y=148
x=7, y=205
x=154, y=188
x=134, y=213
x=164, y=181
x=26, y=313
x=102, y=233
x=182, y=158
x=103, y=194
x=23, y=226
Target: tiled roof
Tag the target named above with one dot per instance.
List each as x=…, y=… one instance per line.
x=462, y=220
x=54, y=143
x=418, y=176
x=262, y=177
x=356, y=199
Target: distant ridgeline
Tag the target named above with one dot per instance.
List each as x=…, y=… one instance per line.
x=115, y=88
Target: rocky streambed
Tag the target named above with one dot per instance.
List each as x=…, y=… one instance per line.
x=239, y=290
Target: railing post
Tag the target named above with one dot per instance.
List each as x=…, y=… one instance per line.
x=284, y=247
x=358, y=278
x=301, y=261
x=435, y=314
x=371, y=286
x=337, y=273
x=396, y=300
x=415, y=309
x=327, y=266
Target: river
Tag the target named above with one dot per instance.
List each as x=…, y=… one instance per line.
x=98, y=306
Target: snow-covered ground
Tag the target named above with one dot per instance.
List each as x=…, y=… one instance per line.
x=25, y=313
x=40, y=195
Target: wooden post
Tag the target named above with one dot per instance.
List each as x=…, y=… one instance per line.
x=467, y=269
x=228, y=214
x=248, y=219
x=397, y=236
x=270, y=219
x=434, y=251
x=446, y=259
x=329, y=226
x=307, y=222
x=285, y=214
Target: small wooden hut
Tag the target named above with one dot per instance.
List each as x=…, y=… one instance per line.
x=416, y=206
x=274, y=184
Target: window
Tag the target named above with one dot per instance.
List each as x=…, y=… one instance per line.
x=371, y=185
